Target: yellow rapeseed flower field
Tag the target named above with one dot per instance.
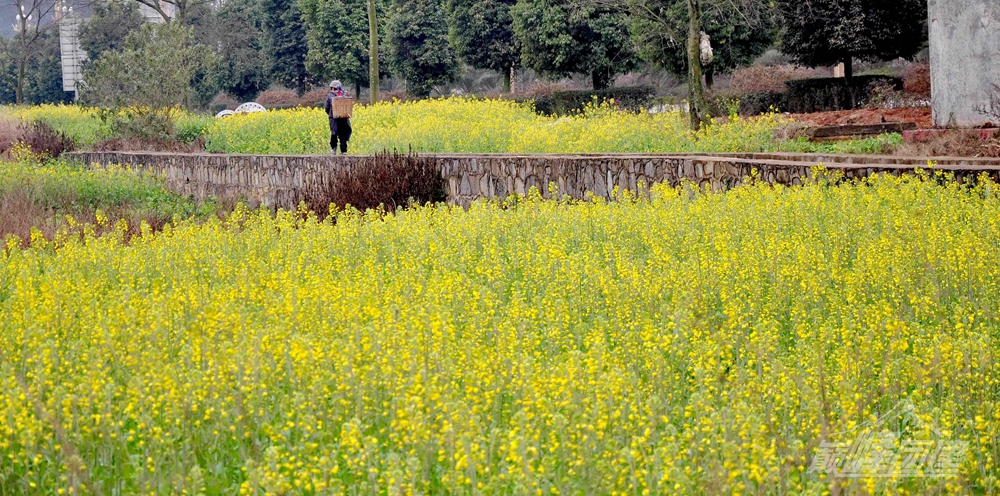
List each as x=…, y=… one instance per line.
x=460, y=125
x=464, y=125
x=690, y=343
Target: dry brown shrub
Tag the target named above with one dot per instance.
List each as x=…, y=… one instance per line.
x=546, y=88
x=388, y=96
x=917, y=79
x=224, y=99
x=11, y=132
x=278, y=97
x=313, y=97
x=385, y=180
x=792, y=130
x=770, y=78
x=953, y=144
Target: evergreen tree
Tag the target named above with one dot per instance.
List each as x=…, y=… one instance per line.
x=285, y=44
x=108, y=25
x=419, y=51
x=739, y=31
x=339, y=40
x=42, y=75
x=482, y=32
x=561, y=37
x=153, y=70
x=243, y=67
x=828, y=32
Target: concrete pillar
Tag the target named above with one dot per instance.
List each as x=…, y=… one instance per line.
x=965, y=60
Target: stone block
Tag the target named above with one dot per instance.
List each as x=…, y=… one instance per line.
x=465, y=188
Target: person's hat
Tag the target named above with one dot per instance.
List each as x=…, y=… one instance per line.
x=335, y=84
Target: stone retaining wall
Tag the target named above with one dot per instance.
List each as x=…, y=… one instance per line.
x=279, y=180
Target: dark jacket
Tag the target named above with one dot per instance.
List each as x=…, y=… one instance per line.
x=340, y=127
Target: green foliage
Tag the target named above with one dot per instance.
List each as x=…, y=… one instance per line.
x=153, y=70
x=561, y=37
x=752, y=103
x=633, y=99
x=824, y=94
x=138, y=87
x=482, y=32
x=137, y=122
x=419, y=51
x=8, y=82
x=243, y=67
x=834, y=31
x=42, y=74
x=192, y=127
x=339, y=40
x=740, y=31
x=109, y=24
x=285, y=44
x=877, y=145
x=67, y=186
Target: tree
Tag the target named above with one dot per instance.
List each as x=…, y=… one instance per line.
x=828, y=32
x=176, y=10
x=482, y=32
x=42, y=76
x=144, y=81
x=697, y=105
x=561, y=37
x=373, y=51
x=33, y=20
x=242, y=69
x=739, y=31
x=339, y=39
x=418, y=45
x=108, y=25
x=285, y=44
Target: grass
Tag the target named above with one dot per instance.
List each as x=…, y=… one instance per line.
x=879, y=145
x=690, y=343
x=51, y=198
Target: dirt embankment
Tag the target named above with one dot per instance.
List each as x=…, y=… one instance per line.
x=920, y=115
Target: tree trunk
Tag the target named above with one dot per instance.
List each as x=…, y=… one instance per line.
x=373, y=52
x=506, y=79
x=19, y=93
x=848, y=75
x=696, y=93
x=710, y=77
x=357, y=90
x=599, y=81
x=180, y=14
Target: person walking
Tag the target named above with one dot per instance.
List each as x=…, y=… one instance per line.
x=340, y=127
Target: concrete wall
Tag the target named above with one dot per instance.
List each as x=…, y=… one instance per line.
x=965, y=59
x=279, y=181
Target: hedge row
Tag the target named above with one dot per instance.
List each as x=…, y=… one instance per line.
x=631, y=98
x=816, y=95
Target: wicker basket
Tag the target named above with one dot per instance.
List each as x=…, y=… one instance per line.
x=341, y=108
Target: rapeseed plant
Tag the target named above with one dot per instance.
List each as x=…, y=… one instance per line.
x=688, y=343
x=463, y=125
